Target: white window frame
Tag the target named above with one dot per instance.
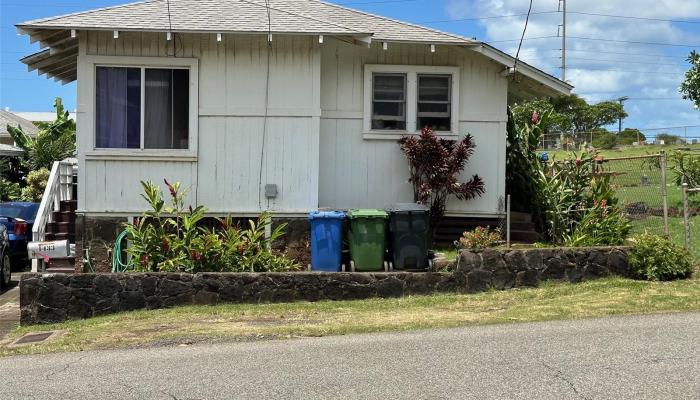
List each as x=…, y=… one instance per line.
x=412, y=72
x=92, y=62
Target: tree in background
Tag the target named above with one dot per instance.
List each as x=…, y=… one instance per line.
x=629, y=136
x=55, y=140
x=668, y=138
x=690, y=88
x=569, y=114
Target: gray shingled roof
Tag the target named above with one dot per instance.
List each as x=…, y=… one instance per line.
x=8, y=150
x=8, y=118
x=287, y=16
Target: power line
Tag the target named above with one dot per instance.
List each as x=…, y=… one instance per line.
x=578, y=67
x=599, y=39
x=621, y=53
x=619, y=61
x=527, y=19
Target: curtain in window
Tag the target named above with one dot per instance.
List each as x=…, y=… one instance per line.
x=118, y=107
x=159, y=113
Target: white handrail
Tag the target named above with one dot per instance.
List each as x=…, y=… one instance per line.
x=58, y=188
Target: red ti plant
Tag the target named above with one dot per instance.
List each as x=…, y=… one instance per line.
x=435, y=166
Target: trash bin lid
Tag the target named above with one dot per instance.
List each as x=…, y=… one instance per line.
x=326, y=214
x=406, y=207
x=367, y=213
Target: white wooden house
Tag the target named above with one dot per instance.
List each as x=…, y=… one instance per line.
x=229, y=96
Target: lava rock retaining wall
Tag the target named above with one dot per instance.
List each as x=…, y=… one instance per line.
x=501, y=269
x=55, y=298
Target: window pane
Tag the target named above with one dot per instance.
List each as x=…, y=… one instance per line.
x=436, y=124
x=442, y=108
x=389, y=124
x=166, y=120
x=389, y=110
x=433, y=88
x=389, y=87
x=389, y=105
x=118, y=108
x=434, y=102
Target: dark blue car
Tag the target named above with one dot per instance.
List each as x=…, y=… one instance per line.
x=18, y=218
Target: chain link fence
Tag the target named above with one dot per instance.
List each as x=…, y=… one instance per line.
x=641, y=183
x=565, y=141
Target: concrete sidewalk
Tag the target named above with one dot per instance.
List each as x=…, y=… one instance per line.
x=9, y=307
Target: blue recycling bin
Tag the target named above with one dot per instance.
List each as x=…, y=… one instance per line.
x=326, y=240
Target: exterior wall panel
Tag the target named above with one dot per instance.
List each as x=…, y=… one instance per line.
x=356, y=171
x=224, y=174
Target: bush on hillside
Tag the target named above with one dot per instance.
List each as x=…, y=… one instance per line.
x=657, y=259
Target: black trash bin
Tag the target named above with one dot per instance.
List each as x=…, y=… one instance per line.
x=408, y=229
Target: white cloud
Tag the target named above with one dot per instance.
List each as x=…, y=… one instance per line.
x=603, y=70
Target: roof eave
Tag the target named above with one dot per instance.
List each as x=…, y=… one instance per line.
x=24, y=30
x=527, y=70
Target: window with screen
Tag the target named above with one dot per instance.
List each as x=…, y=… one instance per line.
x=142, y=108
x=389, y=101
x=434, y=102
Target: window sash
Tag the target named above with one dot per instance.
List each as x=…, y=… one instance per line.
x=143, y=96
x=447, y=102
x=401, y=116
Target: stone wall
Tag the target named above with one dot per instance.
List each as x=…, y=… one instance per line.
x=54, y=298
x=503, y=269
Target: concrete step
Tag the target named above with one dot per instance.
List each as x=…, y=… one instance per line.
x=525, y=236
x=520, y=217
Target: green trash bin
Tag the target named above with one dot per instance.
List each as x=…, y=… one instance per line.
x=367, y=237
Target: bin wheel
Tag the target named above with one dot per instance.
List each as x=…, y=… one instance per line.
x=431, y=267
x=391, y=266
x=352, y=266
x=342, y=267
x=386, y=266
x=308, y=267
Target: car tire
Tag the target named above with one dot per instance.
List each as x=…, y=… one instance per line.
x=5, y=272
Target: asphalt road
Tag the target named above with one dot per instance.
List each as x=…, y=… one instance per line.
x=651, y=357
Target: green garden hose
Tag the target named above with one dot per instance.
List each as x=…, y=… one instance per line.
x=117, y=264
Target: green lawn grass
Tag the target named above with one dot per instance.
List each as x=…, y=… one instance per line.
x=612, y=296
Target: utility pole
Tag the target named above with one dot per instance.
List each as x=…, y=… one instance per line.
x=562, y=8
x=619, y=127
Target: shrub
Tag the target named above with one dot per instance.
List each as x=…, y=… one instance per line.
x=686, y=168
x=603, y=225
x=9, y=191
x=167, y=238
x=657, y=259
x=435, y=165
x=36, y=183
x=480, y=238
x=605, y=141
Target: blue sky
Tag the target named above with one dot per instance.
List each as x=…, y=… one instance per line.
x=641, y=54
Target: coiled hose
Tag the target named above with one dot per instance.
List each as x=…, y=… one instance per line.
x=118, y=264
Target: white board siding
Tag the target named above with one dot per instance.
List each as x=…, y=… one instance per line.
x=356, y=172
x=224, y=175
x=114, y=186
x=229, y=175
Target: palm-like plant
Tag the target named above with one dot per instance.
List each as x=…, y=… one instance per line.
x=54, y=142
